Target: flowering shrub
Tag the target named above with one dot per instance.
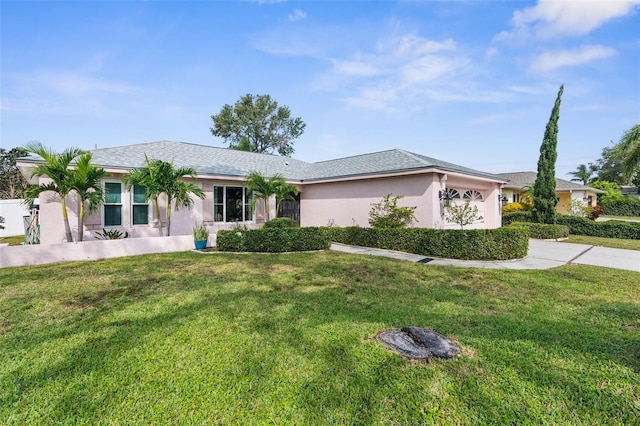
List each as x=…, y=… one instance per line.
x=515, y=207
x=595, y=212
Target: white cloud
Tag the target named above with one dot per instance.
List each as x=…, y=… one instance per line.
x=412, y=45
x=397, y=71
x=356, y=67
x=552, y=60
x=488, y=119
x=65, y=93
x=553, y=18
x=297, y=15
x=491, y=52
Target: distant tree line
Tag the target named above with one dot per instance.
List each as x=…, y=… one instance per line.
x=618, y=163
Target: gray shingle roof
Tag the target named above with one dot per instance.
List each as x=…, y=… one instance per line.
x=208, y=160
x=520, y=180
x=384, y=162
x=204, y=159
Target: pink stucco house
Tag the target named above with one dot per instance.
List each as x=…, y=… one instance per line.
x=338, y=192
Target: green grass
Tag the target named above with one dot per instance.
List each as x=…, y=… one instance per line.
x=15, y=240
x=604, y=242
x=635, y=218
x=192, y=338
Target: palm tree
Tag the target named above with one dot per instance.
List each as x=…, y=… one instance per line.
x=263, y=188
x=583, y=173
x=56, y=168
x=148, y=177
x=160, y=177
x=85, y=181
x=285, y=192
x=178, y=190
x=630, y=145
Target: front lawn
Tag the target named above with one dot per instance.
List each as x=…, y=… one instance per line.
x=631, y=218
x=192, y=338
x=604, y=242
x=14, y=240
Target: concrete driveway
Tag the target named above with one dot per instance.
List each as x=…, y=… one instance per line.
x=542, y=255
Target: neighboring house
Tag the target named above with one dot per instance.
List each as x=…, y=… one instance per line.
x=338, y=192
x=520, y=182
x=630, y=190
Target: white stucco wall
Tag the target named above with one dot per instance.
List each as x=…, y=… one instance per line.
x=13, y=213
x=92, y=250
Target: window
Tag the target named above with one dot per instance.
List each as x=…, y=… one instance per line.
x=112, y=204
x=472, y=195
x=139, y=205
x=231, y=204
x=449, y=194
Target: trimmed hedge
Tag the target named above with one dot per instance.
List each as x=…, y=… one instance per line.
x=509, y=218
x=281, y=222
x=274, y=240
x=584, y=226
x=627, y=206
x=543, y=231
x=478, y=244
x=608, y=229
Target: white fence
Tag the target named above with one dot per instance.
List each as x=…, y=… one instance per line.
x=93, y=250
x=13, y=212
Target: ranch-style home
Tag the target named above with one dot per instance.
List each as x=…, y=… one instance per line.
x=337, y=192
x=520, y=182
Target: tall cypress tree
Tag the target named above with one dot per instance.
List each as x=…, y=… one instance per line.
x=544, y=188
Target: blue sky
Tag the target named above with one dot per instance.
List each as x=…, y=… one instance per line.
x=470, y=82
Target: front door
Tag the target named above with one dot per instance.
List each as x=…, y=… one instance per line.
x=291, y=209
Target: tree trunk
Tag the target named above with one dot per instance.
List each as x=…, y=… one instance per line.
x=65, y=218
x=81, y=220
x=157, y=208
x=168, y=217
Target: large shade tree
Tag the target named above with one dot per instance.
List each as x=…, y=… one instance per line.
x=630, y=147
x=256, y=123
x=161, y=177
x=544, y=188
x=619, y=162
x=85, y=181
x=56, y=167
x=12, y=182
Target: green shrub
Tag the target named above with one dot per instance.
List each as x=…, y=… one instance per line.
x=386, y=214
x=608, y=229
x=508, y=218
x=281, y=222
x=482, y=244
x=200, y=232
x=230, y=240
x=627, y=206
x=542, y=231
x=274, y=240
x=515, y=207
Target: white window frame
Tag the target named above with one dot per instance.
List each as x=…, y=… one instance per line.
x=105, y=204
x=246, y=204
x=133, y=204
x=473, y=195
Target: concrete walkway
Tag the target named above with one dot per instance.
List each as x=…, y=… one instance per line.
x=542, y=255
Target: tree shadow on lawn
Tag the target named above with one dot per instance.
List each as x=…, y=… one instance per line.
x=322, y=317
